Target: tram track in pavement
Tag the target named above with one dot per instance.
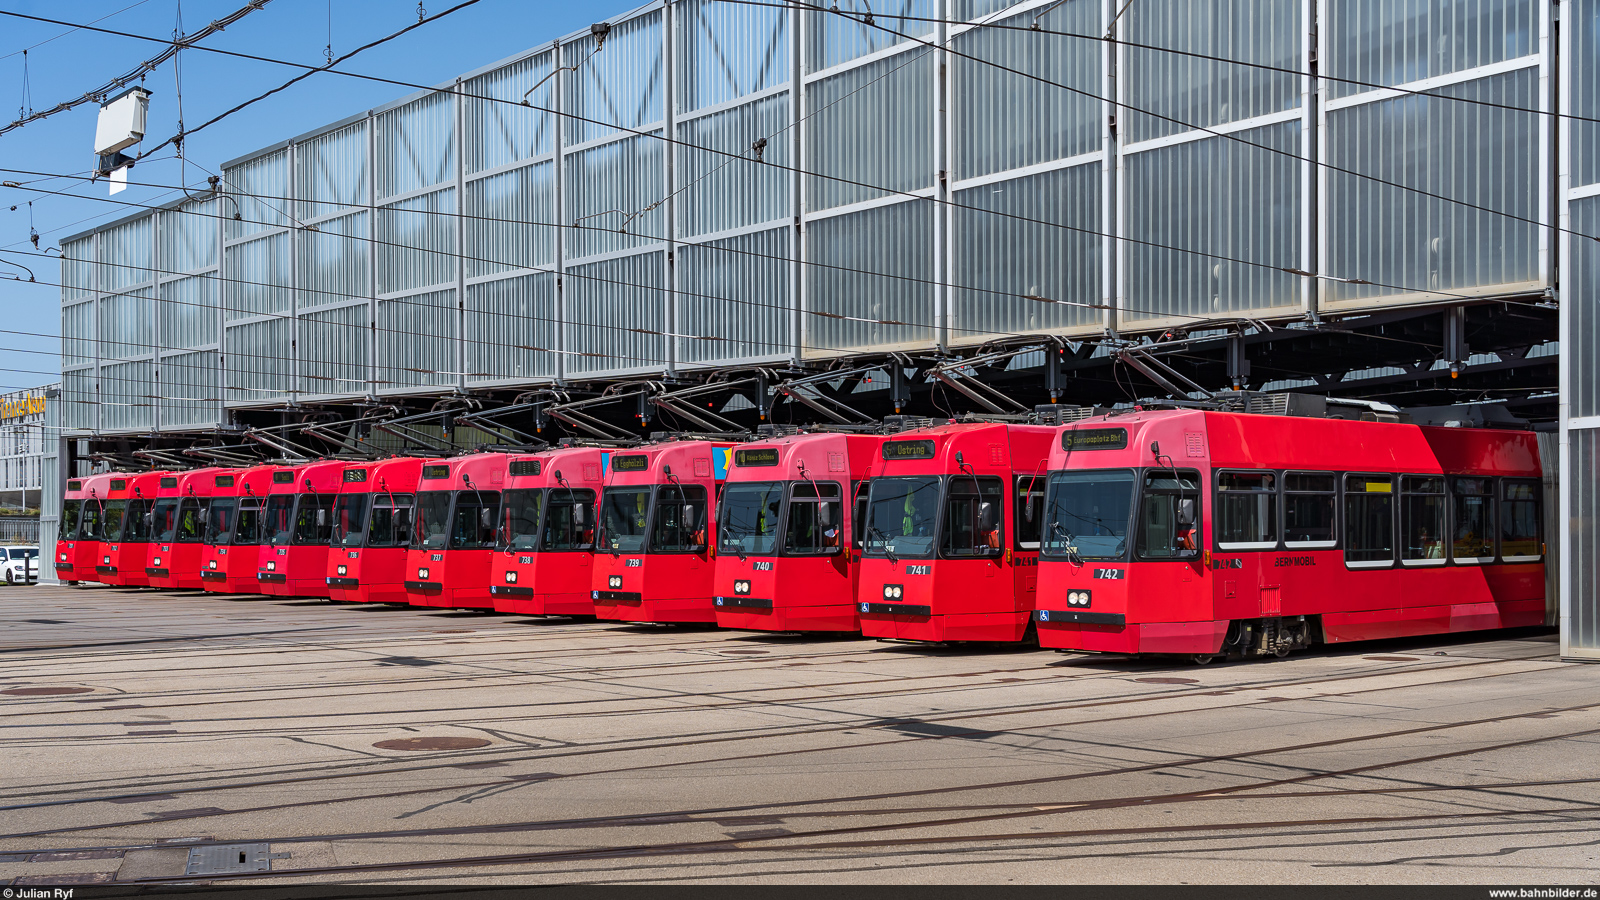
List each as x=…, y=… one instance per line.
x=806, y=840
x=989, y=712
x=505, y=782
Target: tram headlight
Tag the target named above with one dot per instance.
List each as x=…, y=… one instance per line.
x=741, y=587
x=213, y=564
x=1078, y=598
x=893, y=592
x=614, y=582
x=511, y=577
x=422, y=574
x=344, y=570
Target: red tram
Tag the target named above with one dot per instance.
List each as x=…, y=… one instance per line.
x=177, y=529
x=653, y=562
x=1207, y=533
x=452, y=548
x=937, y=561
x=294, y=560
x=127, y=548
x=372, y=526
x=233, y=533
x=545, y=542
x=82, y=510
x=788, y=532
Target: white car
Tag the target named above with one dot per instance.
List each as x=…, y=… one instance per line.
x=21, y=564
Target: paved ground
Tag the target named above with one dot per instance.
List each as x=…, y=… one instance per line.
x=595, y=752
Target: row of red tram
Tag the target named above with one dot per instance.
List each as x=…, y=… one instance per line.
x=1168, y=531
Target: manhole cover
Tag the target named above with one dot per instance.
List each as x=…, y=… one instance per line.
x=45, y=691
x=749, y=652
x=1165, y=680
x=432, y=743
x=1391, y=658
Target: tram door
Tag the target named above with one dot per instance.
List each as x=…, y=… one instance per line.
x=1245, y=532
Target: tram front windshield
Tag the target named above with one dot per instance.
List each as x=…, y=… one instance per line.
x=519, y=519
x=1087, y=513
x=749, y=518
x=903, y=516
x=164, y=519
x=433, y=518
x=623, y=514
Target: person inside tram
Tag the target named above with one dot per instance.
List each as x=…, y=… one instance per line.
x=1431, y=547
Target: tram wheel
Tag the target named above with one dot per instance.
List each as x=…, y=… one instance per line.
x=1282, y=650
x=1203, y=659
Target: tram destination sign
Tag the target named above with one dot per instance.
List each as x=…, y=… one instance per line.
x=284, y=477
x=758, y=456
x=355, y=476
x=1095, y=439
x=636, y=462
x=908, y=449
x=525, y=467
x=431, y=472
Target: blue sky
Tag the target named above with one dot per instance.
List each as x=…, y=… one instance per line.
x=285, y=29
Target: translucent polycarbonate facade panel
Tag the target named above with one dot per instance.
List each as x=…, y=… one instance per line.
x=260, y=357
x=417, y=242
x=1390, y=42
x=871, y=130
x=499, y=129
x=511, y=220
x=416, y=145
x=1582, y=79
x=260, y=189
x=606, y=302
x=1230, y=214
x=1407, y=242
x=188, y=311
x=258, y=278
x=189, y=237
x=331, y=172
x=190, y=397
x=1191, y=91
x=729, y=50
x=512, y=328
x=417, y=341
x=618, y=87
x=1582, y=308
x=335, y=261
x=128, y=396
x=876, y=267
x=126, y=255
x=131, y=318
x=836, y=39
x=732, y=188
x=1021, y=243
x=77, y=269
x=77, y=333
x=1583, y=632
x=609, y=189
x=80, y=402
x=334, y=350
x=1015, y=115
x=733, y=298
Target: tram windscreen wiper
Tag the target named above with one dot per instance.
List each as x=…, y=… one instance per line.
x=888, y=548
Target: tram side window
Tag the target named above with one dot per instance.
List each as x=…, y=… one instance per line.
x=1472, y=520
x=680, y=520
x=1422, y=519
x=1369, y=520
x=569, y=525
x=858, y=518
x=136, y=525
x=1309, y=501
x=472, y=528
x=1169, y=515
x=313, y=519
x=1521, y=531
x=89, y=521
x=247, y=530
x=277, y=522
x=972, y=515
x=1247, y=511
x=219, y=521
x=1030, y=511
x=815, y=522
x=191, y=521
x=111, y=521
x=390, y=524
x=164, y=520
x=349, y=520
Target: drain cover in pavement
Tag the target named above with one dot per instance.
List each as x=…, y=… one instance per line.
x=1165, y=680
x=432, y=743
x=45, y=691
x=222, y=859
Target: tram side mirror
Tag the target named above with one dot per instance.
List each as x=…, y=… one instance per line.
x=1155, y=448
x=322, y=517
x=486, y=517
x=987, y=518
x=577, y=515
x=825, y=514
x=1186, y=513
x=1027, y=509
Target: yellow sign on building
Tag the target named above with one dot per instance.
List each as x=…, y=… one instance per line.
x=33, y=404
